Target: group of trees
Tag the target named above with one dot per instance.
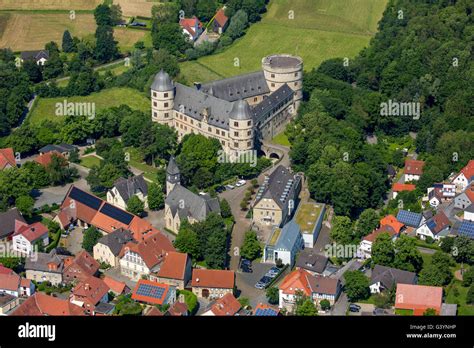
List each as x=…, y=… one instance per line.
x=207, y=240
x=251, y=248
x=402, y=254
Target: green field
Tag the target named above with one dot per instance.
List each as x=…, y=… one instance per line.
x=319, y=30
x=281, y=139
x=459, y=298
x=45, y=107
x=90, y=161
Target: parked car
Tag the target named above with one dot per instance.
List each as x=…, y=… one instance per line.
x=274, y=270
x=220, y=189
x=379, y=311
x=271, y=275
x=229, y=187
x=240, y=183
x=246, y=269
x=260, y=286
x=354, y=308
x=266, y=280
x=246, y=262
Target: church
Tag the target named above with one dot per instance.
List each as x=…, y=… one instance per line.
x=240, y=111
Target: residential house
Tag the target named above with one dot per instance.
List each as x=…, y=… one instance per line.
x=124, y=189
x=309, y=216
x=117, y=287
x=312, y=262
x=108, y=247
x=221, y=21
x=469, y=213
x=192, y=27
x=181, y=203
x=177, y=309
x=8, y=303
x=389, y=224
x=89, y=293
x=418, y=298
x=176, y=270
x=301, y=282
x=265, y=310
x=138, y=259
x=212, y=283
x=277, y=197
x=227, y=305
x=463, y=228
x=7, y=158
x=465, y=177
x=45, y=159
x=15, y=285
x=40, y=57
x=284, y=244
x=154, y=293
x=41, y=304
x=8, y=221
x=46, y=267
x=465, y=198
x=441, y=193
x=26, y=236
x=436, y=227
x=399, y=187
x=409, y=218
x=63, y=149
x=386, y=278
x=80, y=268
x=413, y=170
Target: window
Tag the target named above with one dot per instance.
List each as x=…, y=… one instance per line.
x=236, y=134
x=166, y=95
x=236, y=144
x=166, y=105
x=255, y=99
x=209, y=129
x=249, y=143
x=296, y=74
x=296, y=83
x=154, y=94
x=273, y=85
x=249, y=132
x=236, y=124
x=272, y=75
x=249, y=123
x=167, y=114
x=154, y=103
x=217, y=132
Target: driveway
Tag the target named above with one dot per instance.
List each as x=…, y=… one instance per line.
x=56, y=194
x=74, y=240
x=340, y=307
x=115, y=274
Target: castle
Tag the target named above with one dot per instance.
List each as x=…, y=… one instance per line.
x=239, y=111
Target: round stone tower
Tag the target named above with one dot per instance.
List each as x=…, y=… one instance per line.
x=241, y=135
x=284, y=68
x=162, y=99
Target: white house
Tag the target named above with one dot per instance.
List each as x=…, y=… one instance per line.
x=25, y=236
x=441, y=193
x=124, y=189
x=436, y=227
x=365, y=246
x=413, y=170
x=192, y=27
x=464, y=199
x=464, y=177
x=469, y=213
x=40, y=57
x=284, y=243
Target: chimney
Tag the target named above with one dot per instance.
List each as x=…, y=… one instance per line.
x=87, y=286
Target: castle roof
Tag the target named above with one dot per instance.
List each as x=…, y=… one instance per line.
x=241, y=111
x=172, y=168
x=162, y=82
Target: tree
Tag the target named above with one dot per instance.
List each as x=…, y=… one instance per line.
x=307, y=308
x=367, y=222
x=468, y=277
x=126, y=306
x=407, y=256
x=225, y=209
x=170, y=37
x=106, y=46
x=59, y=171
x=272, y=295
x=430, y=312
x=103, y=15
x=356, y=286
x=447, y=245
x=25, y=205
x=463, y=249
x=470, y=295
x=325, y=305
x=342, y=230
x=251, y=248
x=383, y=252
x=91, y=237
x=206, y=9
x=435, y=276
x=156, y=199
x=187, y=241
x=238, y=23
x=68, y=44
x=135, y=206
x=115, y=14
x=33, y=70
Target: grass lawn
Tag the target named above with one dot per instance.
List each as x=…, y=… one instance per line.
x=459, y=298
x=45, y=107
x=403, y=312
x=136, y=161
x=91, y=161
x=281, y=139
x=194, y=71
x=426, y=259
x=49, y=4
x=321, y=29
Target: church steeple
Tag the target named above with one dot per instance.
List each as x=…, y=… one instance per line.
x=173, y=175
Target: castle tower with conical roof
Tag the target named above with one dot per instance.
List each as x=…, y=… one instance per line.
x=162, y=99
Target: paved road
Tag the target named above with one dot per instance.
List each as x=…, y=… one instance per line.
x=426, y=250
x=340, y=307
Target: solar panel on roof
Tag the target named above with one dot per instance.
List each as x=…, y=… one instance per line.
x=85, y=198
x=265, y=312
x=150, y=291
x=116, y=213
x=409, y=218
x=431, y=224
x=467, y=229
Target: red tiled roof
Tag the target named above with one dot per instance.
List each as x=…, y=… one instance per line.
x=152, y=248
x=441, y=221
x=82, y=266
x=46, y=158
x=5, y=270
x=227, y=305
x=10, y=281
x=174, y=266
x=150, y=299
x=414, y=167
x=42, y=304
x=221, y=18
x=90, y=291
x=115, y=285
x=178, y=309
x=399, y=187
x=31, y=232
x=418, y=297
x=106, y=223
x=392, y=221
x=382, y=229
x=7, y=157
x=296, y=280
x=213, y=278
x=154, y=312
x=468, y=170
x=470, y=193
